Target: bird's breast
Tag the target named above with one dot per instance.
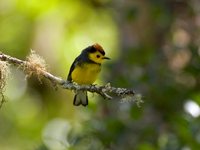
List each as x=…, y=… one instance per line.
x=86, y=73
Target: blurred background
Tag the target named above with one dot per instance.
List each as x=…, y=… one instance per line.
x=155, y=49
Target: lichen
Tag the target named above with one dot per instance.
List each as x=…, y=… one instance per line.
x=35, y=65
x=4, y=72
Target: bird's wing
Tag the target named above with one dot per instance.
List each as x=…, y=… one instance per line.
x=76, y=62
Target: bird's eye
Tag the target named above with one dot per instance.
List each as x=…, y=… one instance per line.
x=98, y=56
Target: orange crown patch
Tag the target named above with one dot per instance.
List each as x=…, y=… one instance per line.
x=99, y=48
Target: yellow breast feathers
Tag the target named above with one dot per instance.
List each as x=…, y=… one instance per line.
x=86, y=73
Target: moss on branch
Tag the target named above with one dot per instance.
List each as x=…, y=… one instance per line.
x=35, y=65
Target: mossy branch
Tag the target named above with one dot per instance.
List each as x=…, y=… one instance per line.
x=35, y=65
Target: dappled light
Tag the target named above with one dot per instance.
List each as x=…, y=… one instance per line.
x=192, y=108
x=154, y=48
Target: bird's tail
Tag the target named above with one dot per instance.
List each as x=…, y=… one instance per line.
x=81, y=98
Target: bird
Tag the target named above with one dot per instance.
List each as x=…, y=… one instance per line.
x=85, y=69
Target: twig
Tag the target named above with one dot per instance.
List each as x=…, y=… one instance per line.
x=104, y=90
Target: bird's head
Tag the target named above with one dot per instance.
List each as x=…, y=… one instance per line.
x=96, y=53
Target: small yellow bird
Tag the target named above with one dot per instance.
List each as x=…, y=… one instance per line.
x=85, y=69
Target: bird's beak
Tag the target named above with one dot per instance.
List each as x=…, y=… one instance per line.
x=106, y=57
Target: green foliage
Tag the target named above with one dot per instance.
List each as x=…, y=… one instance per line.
x=154, y=46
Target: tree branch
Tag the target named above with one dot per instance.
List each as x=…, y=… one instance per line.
x=31, y=66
